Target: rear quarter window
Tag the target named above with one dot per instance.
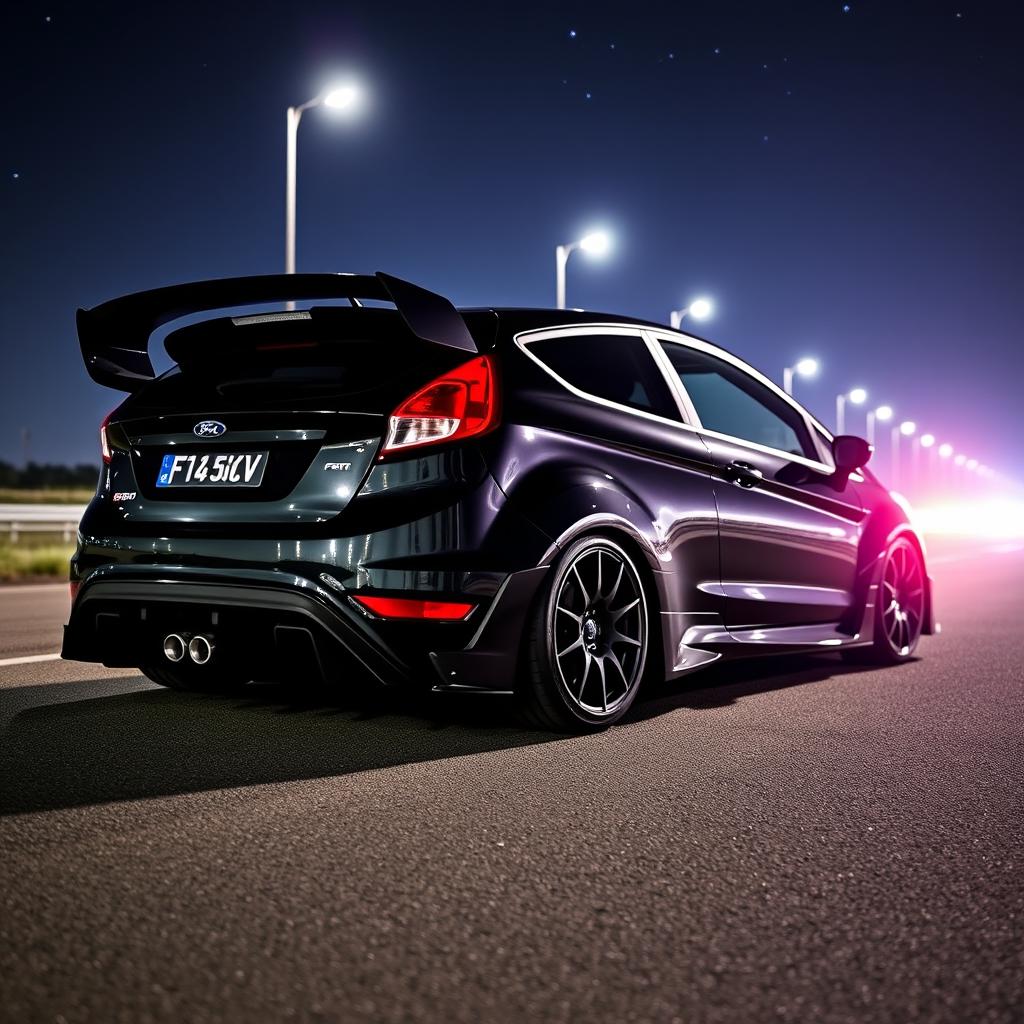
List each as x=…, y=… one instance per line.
x=615, y=367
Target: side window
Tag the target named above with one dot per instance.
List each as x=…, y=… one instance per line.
x=729, y=401
x=616, y=367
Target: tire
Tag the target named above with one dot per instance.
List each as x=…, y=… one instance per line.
x=587, y=644
x=899, y=609
x=192, y=679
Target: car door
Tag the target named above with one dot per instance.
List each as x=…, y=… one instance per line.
x=614, y=431
x=789, y=528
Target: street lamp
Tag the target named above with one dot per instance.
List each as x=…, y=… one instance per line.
x=883, y=414
x=595, y=243
x=905, y=429
x=344, y=98
x=699, y=309
x=858, y=396
x=927, y=440
x=972, y=465
x=806, y=367
x=945, y=451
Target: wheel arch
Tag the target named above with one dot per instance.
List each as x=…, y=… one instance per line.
x=906, y=531
x=632, y=541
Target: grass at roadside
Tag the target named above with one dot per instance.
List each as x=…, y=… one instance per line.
x=34, y=557
x=46, y=495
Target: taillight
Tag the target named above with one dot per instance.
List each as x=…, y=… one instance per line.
x=104, y=441
x=413, y=608
x=459, y=404
x=74, y=586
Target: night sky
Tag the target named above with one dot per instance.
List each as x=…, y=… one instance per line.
x=844, y=182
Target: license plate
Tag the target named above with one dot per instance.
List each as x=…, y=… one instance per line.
x=221, y=470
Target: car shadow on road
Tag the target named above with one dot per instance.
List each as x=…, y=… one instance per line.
x=83, y=742
x=89, y=741
x=727, y=682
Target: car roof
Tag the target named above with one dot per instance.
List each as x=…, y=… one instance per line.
x=515, y=319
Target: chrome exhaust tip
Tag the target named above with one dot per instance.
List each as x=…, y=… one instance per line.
x=200, y=650
x=174, y=647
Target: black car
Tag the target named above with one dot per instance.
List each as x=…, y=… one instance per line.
x=552, y=504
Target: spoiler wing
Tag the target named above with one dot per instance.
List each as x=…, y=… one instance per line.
x=115, y=336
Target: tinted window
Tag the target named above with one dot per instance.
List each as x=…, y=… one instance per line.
x=732, y=402
x=615, y=367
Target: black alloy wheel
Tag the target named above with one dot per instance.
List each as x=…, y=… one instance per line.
x=900, y=608
x=588, y=645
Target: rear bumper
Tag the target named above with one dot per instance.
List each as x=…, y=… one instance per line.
x=278, y=625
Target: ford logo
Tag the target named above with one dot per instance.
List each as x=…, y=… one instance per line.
x=209, y=428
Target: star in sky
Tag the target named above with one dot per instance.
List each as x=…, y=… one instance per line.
x=572, y=33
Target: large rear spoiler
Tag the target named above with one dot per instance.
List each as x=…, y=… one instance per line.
x=115, y=335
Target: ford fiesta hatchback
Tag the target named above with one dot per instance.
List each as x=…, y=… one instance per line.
x=556, y=505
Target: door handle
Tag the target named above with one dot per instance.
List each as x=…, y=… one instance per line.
x=743, y=474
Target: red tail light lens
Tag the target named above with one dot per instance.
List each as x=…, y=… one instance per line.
x=413, y=608
x=104, y=442
x=74, y=586
x=459, y=404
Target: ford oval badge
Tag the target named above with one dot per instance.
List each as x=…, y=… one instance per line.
x=209, y=428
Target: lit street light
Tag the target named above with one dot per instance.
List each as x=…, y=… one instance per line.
x=945, y=451
x=699, y=309
x=927, y=440
x=806, y=367
x=595, y=243
x=857, y=396
x=905, y=429
x=882, y=414
x=345, y=98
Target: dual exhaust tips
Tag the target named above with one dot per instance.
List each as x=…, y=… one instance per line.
x=199, y=648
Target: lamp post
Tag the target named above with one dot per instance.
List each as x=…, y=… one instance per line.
x=905, y=429
x=806, y=367
x=344, y=98
x=882, y=414
x=945, y=461
x=595, y=243
x=857, y=396
x=927, y=442
x=699, y=309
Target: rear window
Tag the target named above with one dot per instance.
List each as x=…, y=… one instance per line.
x=323, y=367
x=616, y=367
x=362, y=359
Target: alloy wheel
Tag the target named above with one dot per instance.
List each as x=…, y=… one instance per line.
x=902, y=599
x=599, y=630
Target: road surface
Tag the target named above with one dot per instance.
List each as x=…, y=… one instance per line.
x=790, y=840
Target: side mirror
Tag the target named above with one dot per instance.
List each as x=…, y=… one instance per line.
x=850, y=453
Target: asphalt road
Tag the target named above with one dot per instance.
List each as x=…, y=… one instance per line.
x=790, y=840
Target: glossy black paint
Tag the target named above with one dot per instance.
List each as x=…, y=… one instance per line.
x=747, y=550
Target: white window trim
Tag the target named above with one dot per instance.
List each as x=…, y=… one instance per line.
x=689, y=419
x=699, y=345
x=527, y=338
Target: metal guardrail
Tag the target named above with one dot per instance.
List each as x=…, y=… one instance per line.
x=18, y=519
